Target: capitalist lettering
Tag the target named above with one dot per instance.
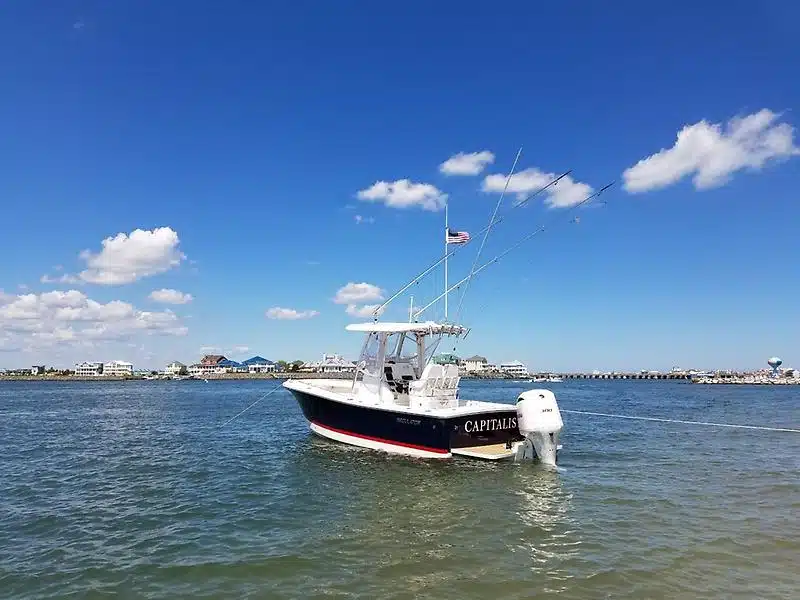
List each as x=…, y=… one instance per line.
x=480, y=425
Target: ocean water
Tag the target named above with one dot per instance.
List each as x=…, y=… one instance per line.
x=132, y=490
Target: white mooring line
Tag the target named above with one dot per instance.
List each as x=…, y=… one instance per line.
x=733, y=426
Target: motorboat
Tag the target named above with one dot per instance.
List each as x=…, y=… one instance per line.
x=400, y=401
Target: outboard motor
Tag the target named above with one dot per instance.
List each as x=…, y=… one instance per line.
x=539, y=420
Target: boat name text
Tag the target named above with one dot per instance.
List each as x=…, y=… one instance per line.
x=478, y=425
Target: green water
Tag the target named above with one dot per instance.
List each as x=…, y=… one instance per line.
x=131, y=490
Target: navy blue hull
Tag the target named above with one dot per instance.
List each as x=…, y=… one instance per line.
x=422, y=432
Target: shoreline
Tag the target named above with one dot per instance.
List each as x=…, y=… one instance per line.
x=734, y=380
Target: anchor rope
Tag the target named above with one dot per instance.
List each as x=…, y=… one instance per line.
x=706, y=423
x=240, y=413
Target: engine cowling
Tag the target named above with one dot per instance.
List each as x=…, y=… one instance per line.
x=539, y=420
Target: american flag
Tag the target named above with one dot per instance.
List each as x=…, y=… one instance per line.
x=457, y=237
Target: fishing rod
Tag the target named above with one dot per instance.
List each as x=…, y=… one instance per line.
x=419, y=277
x=508, y=250
x=483, y=241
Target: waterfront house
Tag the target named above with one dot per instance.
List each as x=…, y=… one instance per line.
x=89, y=369
x=259, y=364
x=118, y=368
x=446, y=358
x=37, y=370
x=514, y=368
x=175, y=368
x=212, y=359
x=227, y=365
x=330, y=363
x=475, y=364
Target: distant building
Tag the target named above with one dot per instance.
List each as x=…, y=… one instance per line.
x=175, y=368
x=227, y=365
x=117, y=368
x=514, y=368
x=330, y=363
x=475, y=363
x=259, y=364
x=37, y=370
x=446, y=358
x=89, y=369
x=212, y=359
x=199, y=369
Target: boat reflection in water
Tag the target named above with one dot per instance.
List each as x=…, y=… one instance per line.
x=549, y=536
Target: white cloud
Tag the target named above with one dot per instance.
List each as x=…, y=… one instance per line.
x=403, y=193
x=169, y=296
x=567, y=192
x=58, y=317
x=239, y=349
x=359, y=219
x=126, y=258
x=358, y=293
x=23, y=286
x=210, y=349
x=366, y=311
x=712, y=154
x=65, y=278
x=290, y=314
x=472, y=163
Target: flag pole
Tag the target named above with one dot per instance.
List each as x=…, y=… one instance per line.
x=446, y=232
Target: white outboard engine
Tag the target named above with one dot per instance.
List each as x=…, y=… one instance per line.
x=539, y=420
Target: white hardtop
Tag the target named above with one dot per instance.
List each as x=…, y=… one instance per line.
x=426, y=327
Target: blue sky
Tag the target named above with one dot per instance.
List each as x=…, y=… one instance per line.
x=236, y=138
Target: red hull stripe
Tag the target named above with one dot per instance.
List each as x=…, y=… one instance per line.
x=383, y=441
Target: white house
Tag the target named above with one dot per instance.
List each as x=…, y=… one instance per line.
x=89, y=369
x=475, y=363
x=175, y=368
x=514, y=368
x=330, y=363
x=259, y=364
x=37, y=370
x=117, y=368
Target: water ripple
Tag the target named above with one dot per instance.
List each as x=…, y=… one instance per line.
x=132, y=490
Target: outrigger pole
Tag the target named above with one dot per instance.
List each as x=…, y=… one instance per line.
x=506, y=251
x=419, y=277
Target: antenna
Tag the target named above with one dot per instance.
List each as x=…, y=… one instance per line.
x=436, y=263
x=508, y=250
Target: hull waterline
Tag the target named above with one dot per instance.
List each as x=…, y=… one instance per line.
x=403, y=432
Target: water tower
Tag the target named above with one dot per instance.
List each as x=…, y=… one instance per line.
x=774, y=362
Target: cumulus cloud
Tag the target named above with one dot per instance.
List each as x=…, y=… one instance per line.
x=463, y=163
x=169, y=296
x=57, y=317
x=567, y=192
x=360, y=219
x=290, y=314
x=403, y=193
x=358, y=293
x=711, y=154
x=125, y=258
x=366, y=311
